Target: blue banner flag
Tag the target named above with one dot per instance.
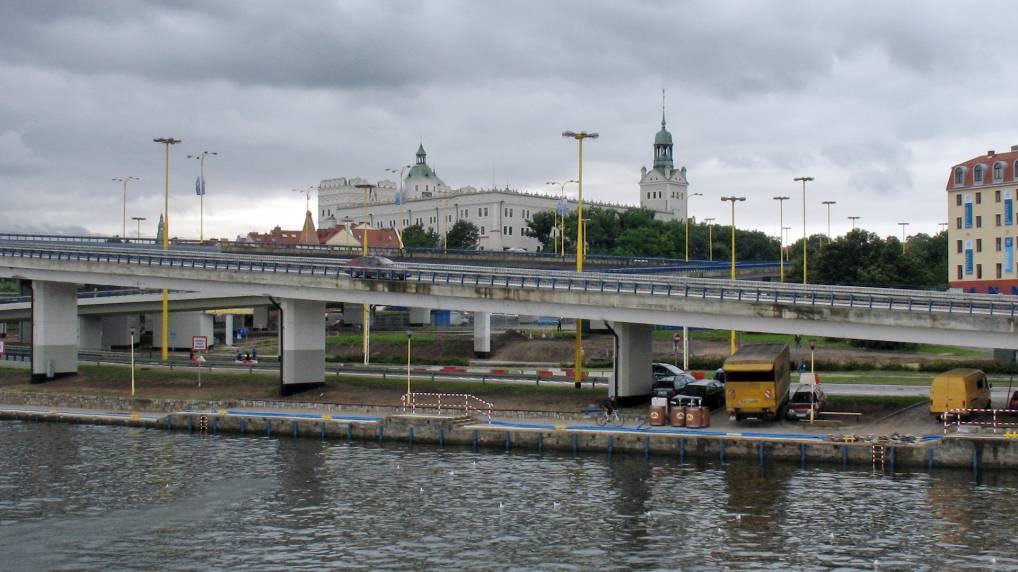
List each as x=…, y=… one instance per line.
x=1009, y=254
x=561, y=208
x=198, y=186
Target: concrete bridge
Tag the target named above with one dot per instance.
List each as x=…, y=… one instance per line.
x=630, y=304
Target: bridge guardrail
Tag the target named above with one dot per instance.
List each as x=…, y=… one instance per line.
x=895, y=300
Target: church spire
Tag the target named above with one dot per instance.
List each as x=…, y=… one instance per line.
x=663, y=144
x=662, y=108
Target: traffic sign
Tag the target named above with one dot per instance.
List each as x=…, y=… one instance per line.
x=200, y=343
x=1, y=348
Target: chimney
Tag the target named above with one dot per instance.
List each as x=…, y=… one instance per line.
x=991, y=153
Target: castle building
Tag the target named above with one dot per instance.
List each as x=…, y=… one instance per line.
x=664, y=188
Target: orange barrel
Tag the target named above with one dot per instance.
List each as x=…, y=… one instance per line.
x=658, y=414
x=705, y=417
x=678, y=415
x=692, y=416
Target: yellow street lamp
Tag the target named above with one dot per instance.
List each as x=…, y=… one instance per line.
x=781, y=238
x=166, y=142
x=580, y=248
x=559, y=232
x=200, y=189
x=125, y=180
x=365, y=308
x=132, y=362
x=805, y=238
x=687, y=223
x=786, y=230
x=733, y=200
x=408, y=337
x=710, y=237
x=828, y=204
x=903, y=243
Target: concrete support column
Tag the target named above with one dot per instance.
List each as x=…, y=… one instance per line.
x=303, y=351
x=260, y=318
x=632, y=380
x=420, y=316
x=228, y=330
x=90, y=333
x=54, y=330
x=482, y=335
x=353, y=313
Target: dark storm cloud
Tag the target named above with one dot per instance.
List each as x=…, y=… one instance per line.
x=872, y=98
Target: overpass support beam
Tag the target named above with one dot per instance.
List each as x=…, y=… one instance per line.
x=632, y=380
x=54, y=330
x=303, y=350
x=228, y=330
x=90, y=333
x=482, y=335
x=420, y=316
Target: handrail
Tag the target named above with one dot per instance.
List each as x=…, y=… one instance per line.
x=738, y=291
x=453, y=401
x=959, y=413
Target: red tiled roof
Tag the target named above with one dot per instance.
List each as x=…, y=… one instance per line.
x=1008, y=158
x=379, y=237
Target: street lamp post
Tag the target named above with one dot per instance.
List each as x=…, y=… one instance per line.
x=201, y=191
x=409, y=335
x=786, y=230
x=402, y=199
x=365, y=308
x=733, y=200
x=903, y=225
x=138, y=220
x=853, y=219
x=710, y=237
x=307, y=197
x=166, y=142
x=580, y=238
x=943, y=226
x=829, y=203
x=560, y=235
x=805, y=239
x=781, y=237
x=125, y=180
x=687, y=223
x=132, y=362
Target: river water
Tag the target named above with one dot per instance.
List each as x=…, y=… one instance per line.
x=84, y=497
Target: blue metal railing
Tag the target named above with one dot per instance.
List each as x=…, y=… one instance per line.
x=870, y=299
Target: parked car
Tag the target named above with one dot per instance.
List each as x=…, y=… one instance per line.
x=1013, y=404
x=803, y=400
x=672, y=385
x=663, y=370
x=707, y=392
x=374, y=263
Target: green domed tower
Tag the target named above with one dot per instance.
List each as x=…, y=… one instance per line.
x=664, y=189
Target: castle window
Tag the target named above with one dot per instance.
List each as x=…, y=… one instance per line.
x=998, y=172
x=979, y=173
x=959, y=176
x=957, y=200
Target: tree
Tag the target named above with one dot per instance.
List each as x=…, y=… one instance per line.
x=464, y=235
x=540, y=226
x=416, y=237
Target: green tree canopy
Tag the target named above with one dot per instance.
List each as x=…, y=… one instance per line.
x=464, y=235
x=416, y=237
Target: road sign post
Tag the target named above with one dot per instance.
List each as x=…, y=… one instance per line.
x=2, y=349
x=199, y=345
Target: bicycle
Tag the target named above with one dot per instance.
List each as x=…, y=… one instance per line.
x=609, y=418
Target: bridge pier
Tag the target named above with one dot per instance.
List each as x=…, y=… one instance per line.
x=303, y=350
x=90, y=333
x=228, y=330
x=482, y=335
x=632, y=379
x=420, y=316
x=54, y=330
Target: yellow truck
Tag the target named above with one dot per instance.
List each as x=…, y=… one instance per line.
x=960, y=388
x=757, y=378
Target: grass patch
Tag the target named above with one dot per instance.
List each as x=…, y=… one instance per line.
x=387, y=337
x=949, y=350
x=872, y=404
x=875, y=379
x=491, y=388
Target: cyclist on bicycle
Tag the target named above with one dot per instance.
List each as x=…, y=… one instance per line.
x=609, y=406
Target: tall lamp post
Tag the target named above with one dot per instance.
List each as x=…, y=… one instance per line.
x=853, y=219
x=365, y=308
x=710, y=237
x=138, y=220
x=560, y=238
x=733, y=200
x=781, y=235
x=402, y=199
x=166, y=142
x=786, y=230
x=691, y=195
x=200, y=189
x=805, y=238
x=580, y=242
x=307, y=197
x=125, y=180
x=943, y=226
x=903, y=243
x=829, y=203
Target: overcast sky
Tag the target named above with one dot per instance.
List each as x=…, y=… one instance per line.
x=876, y=100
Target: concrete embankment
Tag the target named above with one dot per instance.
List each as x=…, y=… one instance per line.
x=511, y=432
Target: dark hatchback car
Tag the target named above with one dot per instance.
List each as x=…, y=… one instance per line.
x=708, y=392
x=374, y=266
x=672, y=385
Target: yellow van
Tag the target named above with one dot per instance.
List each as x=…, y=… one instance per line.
x=959, y=389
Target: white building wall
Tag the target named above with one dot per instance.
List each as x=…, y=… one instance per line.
x=183, y=326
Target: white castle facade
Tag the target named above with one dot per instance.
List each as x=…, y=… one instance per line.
x=501, y=215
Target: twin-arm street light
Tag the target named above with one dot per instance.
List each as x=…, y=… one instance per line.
x=829, y=203
x=125, y=180
x=559, y=232
x=805, y=238
x=687, y=222
x=710, y=237
x=853, y=219
x=166, y=142
x=138, y=220
x=580, y=238
x=200, y=189
x=781, y=238
x=365, y=308
x=785, y=230
x=903, y=243
x=733, y=200
x=307, y=197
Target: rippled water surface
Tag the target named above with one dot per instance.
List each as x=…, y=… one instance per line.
x=83, y=497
